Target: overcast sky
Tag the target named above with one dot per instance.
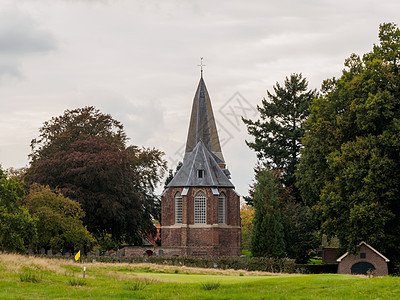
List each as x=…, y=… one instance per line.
x=137, y=60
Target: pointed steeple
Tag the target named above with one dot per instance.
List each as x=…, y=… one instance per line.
x=202, y=125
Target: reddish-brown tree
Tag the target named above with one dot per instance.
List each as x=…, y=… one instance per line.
x=83, y=153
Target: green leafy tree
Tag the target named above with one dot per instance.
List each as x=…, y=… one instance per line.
x=267, y=238
x=73, y=125
x=350, y=165
x=278, y=132
x=246, y=216
x=84, y=154
x=17, y=228
x=58, y=220
x=149, y=168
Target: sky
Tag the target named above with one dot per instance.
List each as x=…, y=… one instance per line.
x=138, y=61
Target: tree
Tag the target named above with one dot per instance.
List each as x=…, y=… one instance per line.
x=58, y=220
x=268, y=236
x=83, y=154
x=171, y=174
x=278, y=132
x=280, y=224
x=17, y=228
x=300, y=229
x=73, y=125
x=150, y=168
x=350, y=165
x=247, y=216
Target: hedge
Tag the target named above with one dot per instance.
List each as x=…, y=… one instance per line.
x=267, y=264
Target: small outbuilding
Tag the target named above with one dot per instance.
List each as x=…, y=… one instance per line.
x=329, y=255
x=366, y=261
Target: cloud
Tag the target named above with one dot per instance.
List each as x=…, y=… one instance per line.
x=20, y=37
x=143, y=119
x=137, y=61
x=9, y=68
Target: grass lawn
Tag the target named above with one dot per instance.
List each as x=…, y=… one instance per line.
x=26, y=277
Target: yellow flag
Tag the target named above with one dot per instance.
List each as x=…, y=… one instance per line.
x=78, y=255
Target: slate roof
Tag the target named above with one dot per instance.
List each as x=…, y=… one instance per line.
x=200, y=159
x=202, y=125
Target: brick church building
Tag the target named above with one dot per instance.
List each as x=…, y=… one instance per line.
x=200, y=209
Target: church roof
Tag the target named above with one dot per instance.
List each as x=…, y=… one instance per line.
x=204, y=160
x=202, y=125
x=370, y=247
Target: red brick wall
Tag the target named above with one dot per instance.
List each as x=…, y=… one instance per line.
x=137, y=250
x=211, y=239
x=171, y=236
x=379, y=263
x=167, y=207
x=158, y=251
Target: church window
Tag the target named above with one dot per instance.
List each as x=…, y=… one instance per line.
x=200, y=173
x=221, y=208
x=200, y=208
x=178, y=208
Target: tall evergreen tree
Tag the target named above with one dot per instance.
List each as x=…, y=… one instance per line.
x=171, y=174
x=268, y=235
x=300, y=229
x=278, y=132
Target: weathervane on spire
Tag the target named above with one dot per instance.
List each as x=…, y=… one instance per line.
x=201, y=66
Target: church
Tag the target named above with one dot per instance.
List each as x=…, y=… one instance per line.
x=200, y=209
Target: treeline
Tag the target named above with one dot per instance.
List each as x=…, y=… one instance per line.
x=333, y=156
x=85, y=188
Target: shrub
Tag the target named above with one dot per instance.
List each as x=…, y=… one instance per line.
x=135, y=286
x=271, y=264
x=76, y=282
x=28, y=277
x=207, y=286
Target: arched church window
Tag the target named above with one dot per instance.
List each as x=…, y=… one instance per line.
x=178, y=208
x=221, y=208
x=200, y=208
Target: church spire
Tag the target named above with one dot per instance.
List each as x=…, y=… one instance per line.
x=202, y=125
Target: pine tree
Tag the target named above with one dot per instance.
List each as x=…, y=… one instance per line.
x=268, y=234
x=171, y=174
x=278, y=132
